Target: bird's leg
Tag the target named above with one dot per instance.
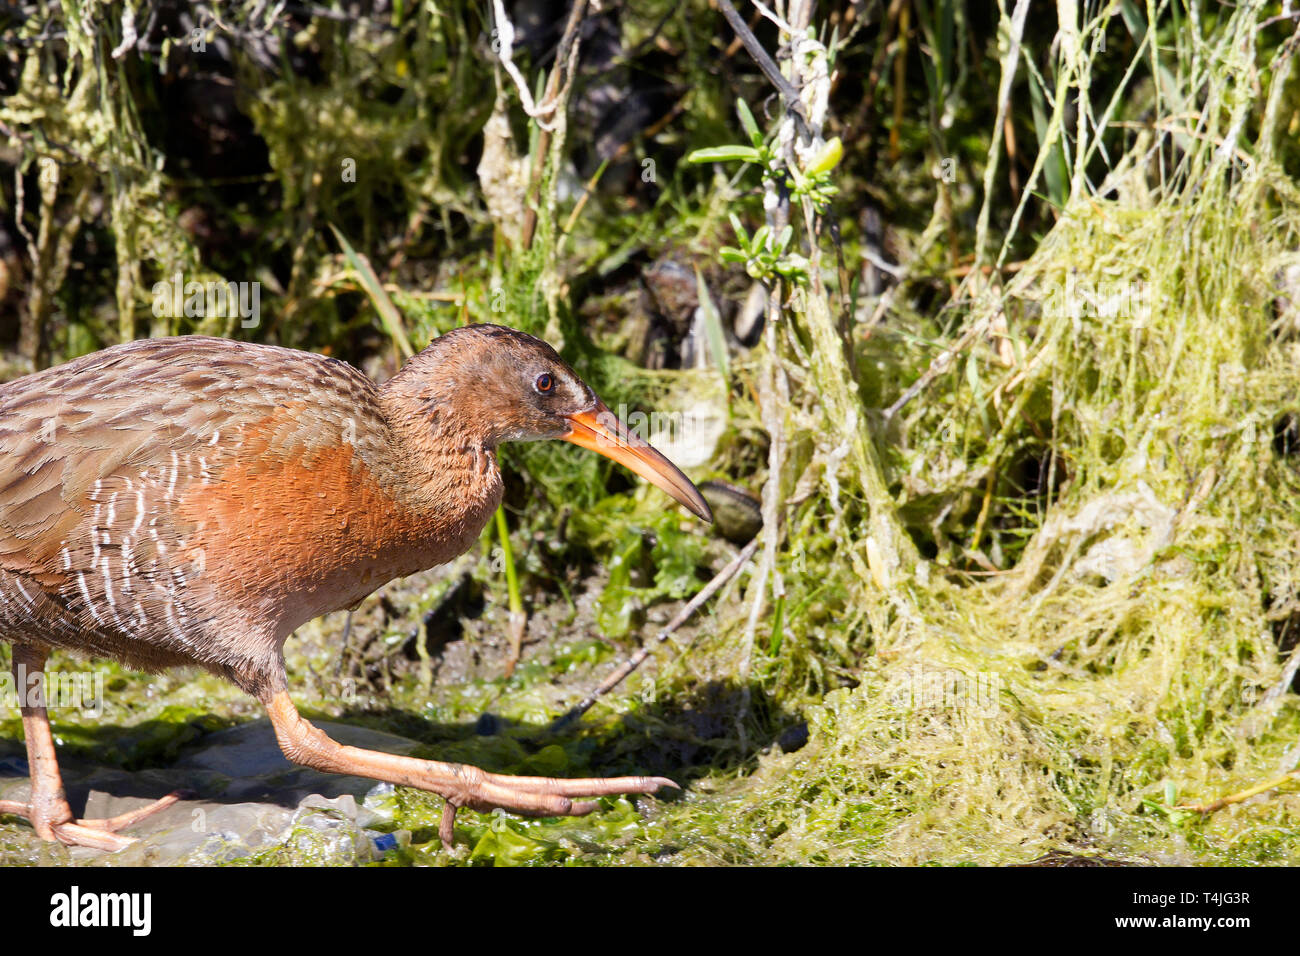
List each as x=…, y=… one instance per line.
x=47, y=809
x=460, y=784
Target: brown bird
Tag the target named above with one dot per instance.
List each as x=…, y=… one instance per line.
x=192, y=501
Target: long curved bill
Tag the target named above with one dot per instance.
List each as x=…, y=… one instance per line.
x=600, y=430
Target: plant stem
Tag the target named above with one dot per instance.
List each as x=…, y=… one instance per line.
x=517, y=617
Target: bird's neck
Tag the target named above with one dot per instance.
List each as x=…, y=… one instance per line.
x=438, y=469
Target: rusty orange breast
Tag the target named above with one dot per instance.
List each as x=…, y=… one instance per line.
x=317, y=530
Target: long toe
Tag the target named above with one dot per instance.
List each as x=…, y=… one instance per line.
x=491, y=794
x=77, y=834
x=132, y=817
x=97, y=834
x=538, y=796
x=582, y=786
x=489, y=797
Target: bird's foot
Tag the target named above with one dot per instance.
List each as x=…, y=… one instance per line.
x=459, y=784
x=533, y=796
x=97, y=834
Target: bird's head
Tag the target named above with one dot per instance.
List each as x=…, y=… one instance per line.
x=492, y=384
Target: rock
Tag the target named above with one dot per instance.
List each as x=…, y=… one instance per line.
x=673, y=292
x=793, y=738
x=249, y=804
x=737, y=513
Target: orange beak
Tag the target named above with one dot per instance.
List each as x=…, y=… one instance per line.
x=600, y=430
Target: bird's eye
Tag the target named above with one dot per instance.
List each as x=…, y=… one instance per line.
x=544, y=383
